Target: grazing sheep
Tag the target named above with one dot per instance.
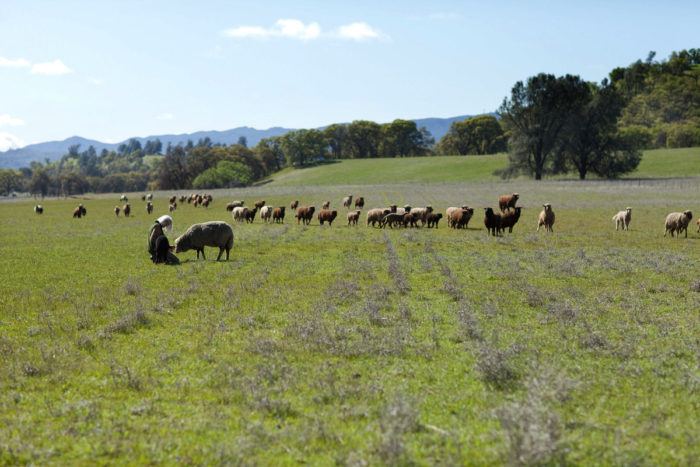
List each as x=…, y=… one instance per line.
x=623, y=218
x=250, y=215
x=422, y=213
x=39, y=209
x=546, y=218
x=143, y=197
x=266, y=213
x=116, y=210
x=205, y=202
x=182, y=198
x=506, y=202
x=162, y=250
x=324, y=215
x=391, y=219
x=678, y=222
x=347, y=201
x=259, y=204
x=238, y=202
x=172, y=199
x=149, y=207
x=353, y=217
x=294, y=204
x=127, y=210
x=230, y=206
x=326, y=205
x=172, y=207
x=149, y=197
x=213, y=233
x=239, y=213
x=433, y=218
x=509, y=219
x=305, y=214
x=278, y=215
x=492, y=221
x=376, y=215
x=79, y=211
x=123, y=198
x=460, y=218
x=410, y=219
x=360, y=202
x=449, y=211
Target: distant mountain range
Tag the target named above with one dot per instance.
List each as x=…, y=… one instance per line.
x=53, y=150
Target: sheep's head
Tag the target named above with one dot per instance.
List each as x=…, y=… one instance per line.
x=547, y=206
x=688, y=214
x=516, y=195
x=182, y=243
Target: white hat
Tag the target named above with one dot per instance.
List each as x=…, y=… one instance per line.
x=167, y=222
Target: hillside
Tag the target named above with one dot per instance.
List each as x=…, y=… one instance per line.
x=658, y=163
x=53, y=150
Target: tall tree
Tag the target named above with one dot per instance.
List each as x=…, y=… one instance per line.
x=40, y=183
x=243, y=141
x=336, y=135
x=536, y=115
x=363, y=139
x=476, y=135
x=301, y=147
x=402, y=138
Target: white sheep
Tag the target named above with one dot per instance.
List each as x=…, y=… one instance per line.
x=239, y=213
x=546, y=218
x=266, y=213
x=421, y=213
x=678, y=222
x=623, y=218
x=450, y=210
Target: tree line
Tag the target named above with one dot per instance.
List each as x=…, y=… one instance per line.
x=548, y=125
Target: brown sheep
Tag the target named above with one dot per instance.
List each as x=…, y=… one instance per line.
x=347, y=201
x=278, y=215
x=259, y=204
x=506, y=202
x=410, y=219
x=509, y=219
x=353, y=217
x=305, y=214
x=326, y=205
x=230, y=206
x=678, y=222
x=360, y=202
x=325, y=215
x=546, y=218
x=376, y=215
x=460, y=218
x=433, y=219
x=250, y=215
x=149, y=207
x=116, y=210
x=422, y=213
x=492, y=221
x=143, y=197
x=172, y=199
x=392, y=219
x=294, y=205
x=238, y=202
x=79, y=211
x=127, y=210
x=205, y=202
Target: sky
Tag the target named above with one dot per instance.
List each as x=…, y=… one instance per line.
x=111, y=70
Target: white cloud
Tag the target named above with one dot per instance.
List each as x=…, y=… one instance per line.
x=165, y=116
x=51, y=68
x=9, y=141
x=6, y=119
x=290, y=28
x=95, y=81
x=359, y=32
x=19, y=63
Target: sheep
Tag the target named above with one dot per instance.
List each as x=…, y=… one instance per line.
x=239, y=213
x=506, y=202
x=123, y=198
x=278, y=215
x=259, y=204
x=143, y=197
x=162, y=249
x=678, y=222
x=510, y=218
x=422, y=213
x=353, y=217
x=250, y=215
x=116, y=210
x=213, y=233
x=492, y=221
x=449, y=211
x=546, y=218
x=326, y=205
x=127, y=210
x=391, y=219
x=294, y=205
x=39, y=209
x=410, y=219
x=171, y=208
x=266, y=213
x=460, y=218
x=149, y=197
x=623, y=218
x=433, y=218
x=182, y=198
x=376, y=215
x=305, y=214
x=360, y=202
x=230, y=206
x=347, y=201
x=172, y=199
x=149, y=207
x=238, y=202
x=325, y=215
x=79, y=211
x=205, y=202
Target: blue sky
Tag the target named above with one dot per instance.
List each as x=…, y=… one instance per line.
x=110, y=70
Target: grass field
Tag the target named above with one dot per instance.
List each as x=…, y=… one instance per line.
x=662, y=163
x=355, y=345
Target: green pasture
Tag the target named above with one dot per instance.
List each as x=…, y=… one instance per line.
x=659, y=163
x=356, y=345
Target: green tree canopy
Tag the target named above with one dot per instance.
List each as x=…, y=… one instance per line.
x=476, y=135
